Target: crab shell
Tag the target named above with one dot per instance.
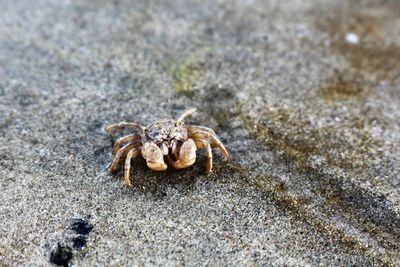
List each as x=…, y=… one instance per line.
x=167, y=134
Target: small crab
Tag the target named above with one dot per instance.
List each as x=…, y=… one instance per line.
x=167, y=138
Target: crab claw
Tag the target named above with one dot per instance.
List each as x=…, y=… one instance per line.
x=154, y=157
x=187, y=155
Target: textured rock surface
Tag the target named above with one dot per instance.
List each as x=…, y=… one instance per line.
x=310, y=117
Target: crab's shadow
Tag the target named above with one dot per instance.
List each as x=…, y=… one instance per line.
x=146, y=180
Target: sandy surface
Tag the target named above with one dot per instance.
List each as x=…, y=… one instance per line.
x=304, y=95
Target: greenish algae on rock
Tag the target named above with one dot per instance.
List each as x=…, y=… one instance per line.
x=185, y=76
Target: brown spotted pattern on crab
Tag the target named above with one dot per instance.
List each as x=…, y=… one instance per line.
x=164, y=139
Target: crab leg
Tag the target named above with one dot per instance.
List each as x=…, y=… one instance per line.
x=124, y=139
x=131, y=154
x=120, y=125
x=201, y=143
x=120, y=153
x=206, y=134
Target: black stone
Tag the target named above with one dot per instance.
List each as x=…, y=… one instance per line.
x=61, y=255
x=81, y=226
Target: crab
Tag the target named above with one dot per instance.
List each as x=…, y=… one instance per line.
x=164, y=139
